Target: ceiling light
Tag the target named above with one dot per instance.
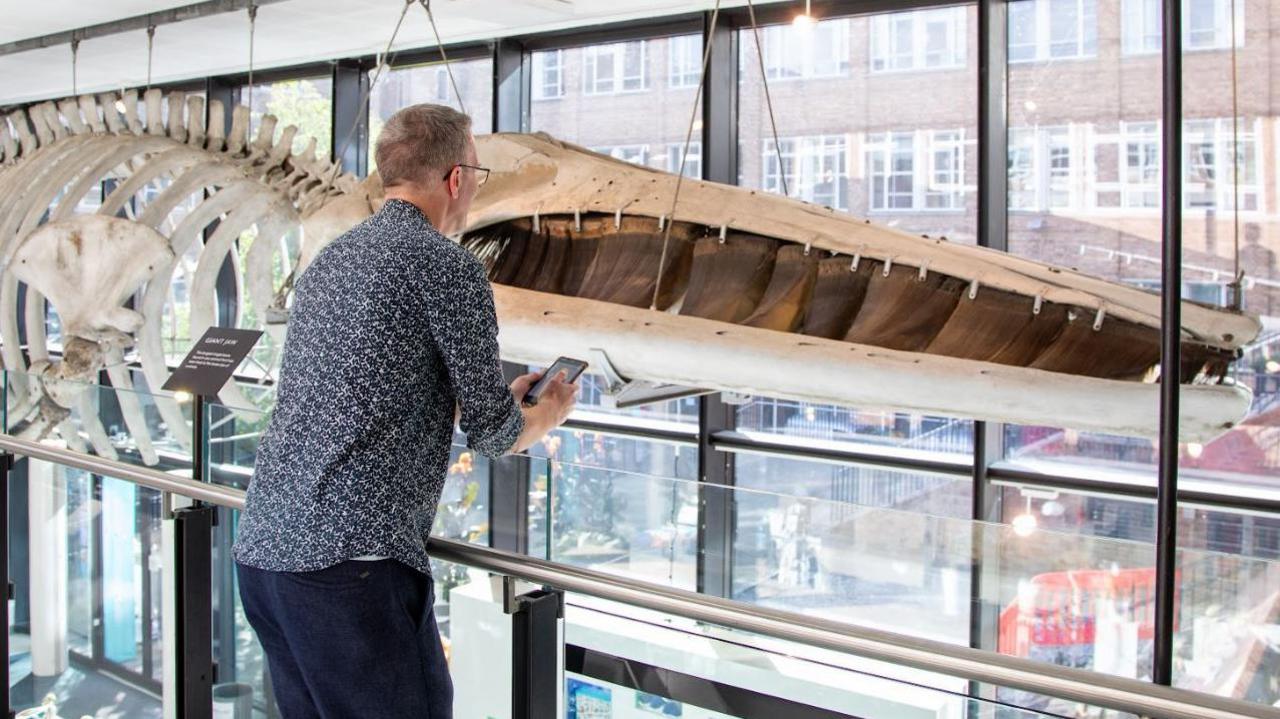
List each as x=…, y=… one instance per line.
x=806, y=20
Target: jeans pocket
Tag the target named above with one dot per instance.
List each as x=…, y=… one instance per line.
x=343, y=576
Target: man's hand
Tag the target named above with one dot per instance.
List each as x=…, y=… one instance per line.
x=520, y=385
x=554, y=406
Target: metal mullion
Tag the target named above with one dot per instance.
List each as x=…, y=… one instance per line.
x=349, y=114
x=1170, y=346
x=512, y=87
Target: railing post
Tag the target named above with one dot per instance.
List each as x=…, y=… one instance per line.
x=6, y=464
x=537, y=650
x=193, y=612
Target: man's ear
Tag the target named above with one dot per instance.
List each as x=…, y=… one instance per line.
x=455, y=182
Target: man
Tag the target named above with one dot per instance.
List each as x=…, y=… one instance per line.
x=392, y=329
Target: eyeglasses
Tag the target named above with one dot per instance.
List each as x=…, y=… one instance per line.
x=482, y=173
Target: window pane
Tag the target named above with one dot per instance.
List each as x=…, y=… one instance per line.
x=404, y=86
x=645, y=127
x=306, y=103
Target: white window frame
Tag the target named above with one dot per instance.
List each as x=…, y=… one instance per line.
x=542, y=69
x=884, y=46
x=925, y=148
x=614, y=82
x=635, y=153
x=1086, y=38
x=681, y=49
x=1219, y=134
x=669, y=160
x=1041, y=146
x=803, y=159
x=1141, y=29
x=791, y=53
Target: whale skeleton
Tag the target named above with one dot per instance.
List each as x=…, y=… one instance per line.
x=758, y=294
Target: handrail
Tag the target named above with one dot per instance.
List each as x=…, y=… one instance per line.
x=1091, y=688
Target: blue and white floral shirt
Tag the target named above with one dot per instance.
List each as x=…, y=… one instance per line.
x=391, y=324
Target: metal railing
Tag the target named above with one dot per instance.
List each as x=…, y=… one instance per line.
x=1094, y=689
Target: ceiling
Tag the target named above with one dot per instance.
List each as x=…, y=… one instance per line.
x=287, y=33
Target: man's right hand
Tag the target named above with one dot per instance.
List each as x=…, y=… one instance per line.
x=560, y=396
x=553, y=408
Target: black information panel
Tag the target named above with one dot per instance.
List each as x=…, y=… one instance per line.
x=212, y=361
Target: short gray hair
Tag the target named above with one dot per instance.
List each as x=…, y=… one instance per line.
x=420, y=143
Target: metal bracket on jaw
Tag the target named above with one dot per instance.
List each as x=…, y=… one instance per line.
x=621, y=393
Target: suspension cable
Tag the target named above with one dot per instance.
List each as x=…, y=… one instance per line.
x=253, y=22
x=1237, y=275
x=151, y=46
x=75, y=53
x=684, y=156
x=768, y=100
x=448, y=68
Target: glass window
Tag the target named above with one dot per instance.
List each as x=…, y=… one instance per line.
x=816, y=169
x=1206, y=25
x=1209, y=169
x=817, y=50
x=548, y=75
x=916, y=170
x=1041, y=172
x=306, y=103
x=403, y=86
x=613, y=68
x=921, y=39
x=1052, y=29
x=684, y=61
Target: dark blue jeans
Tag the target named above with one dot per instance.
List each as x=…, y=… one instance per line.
x=355, y=639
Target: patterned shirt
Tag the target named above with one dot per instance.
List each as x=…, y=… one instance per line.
x=391, y=324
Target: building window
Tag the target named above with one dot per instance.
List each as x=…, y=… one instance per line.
x=1206, y=25
x=1140, y=175
x=798, y=52
x=815, y=167
x=442, y=84
x=1209, y=174
x=916, y=170
x=919, y=40
x=1052, y=29
x=635, y=154
x=684, y=61
x=613, y=68
x=1040, y=169
x=669, y=161
x=548, y=75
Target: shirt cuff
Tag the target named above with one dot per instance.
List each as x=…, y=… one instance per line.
x=498, y=442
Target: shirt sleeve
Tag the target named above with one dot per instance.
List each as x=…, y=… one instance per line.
x=463, y=322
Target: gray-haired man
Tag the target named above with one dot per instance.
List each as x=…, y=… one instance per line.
x=392, y=331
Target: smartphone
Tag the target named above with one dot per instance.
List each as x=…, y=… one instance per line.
x=572, y=369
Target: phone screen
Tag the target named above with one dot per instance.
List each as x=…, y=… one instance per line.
x=572, y=369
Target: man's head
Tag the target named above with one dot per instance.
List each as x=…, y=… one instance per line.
x=422, y=156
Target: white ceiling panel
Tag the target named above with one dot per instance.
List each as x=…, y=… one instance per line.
x=288, y=33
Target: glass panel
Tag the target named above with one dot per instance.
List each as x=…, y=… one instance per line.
x=1226, y=579
x=129, y=425
x=614, y=520
x=853, y=542
x=619, y=660
x=85, y=561
x=868, y=151
x=401, y=87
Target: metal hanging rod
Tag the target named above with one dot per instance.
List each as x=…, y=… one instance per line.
x=129, y=24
